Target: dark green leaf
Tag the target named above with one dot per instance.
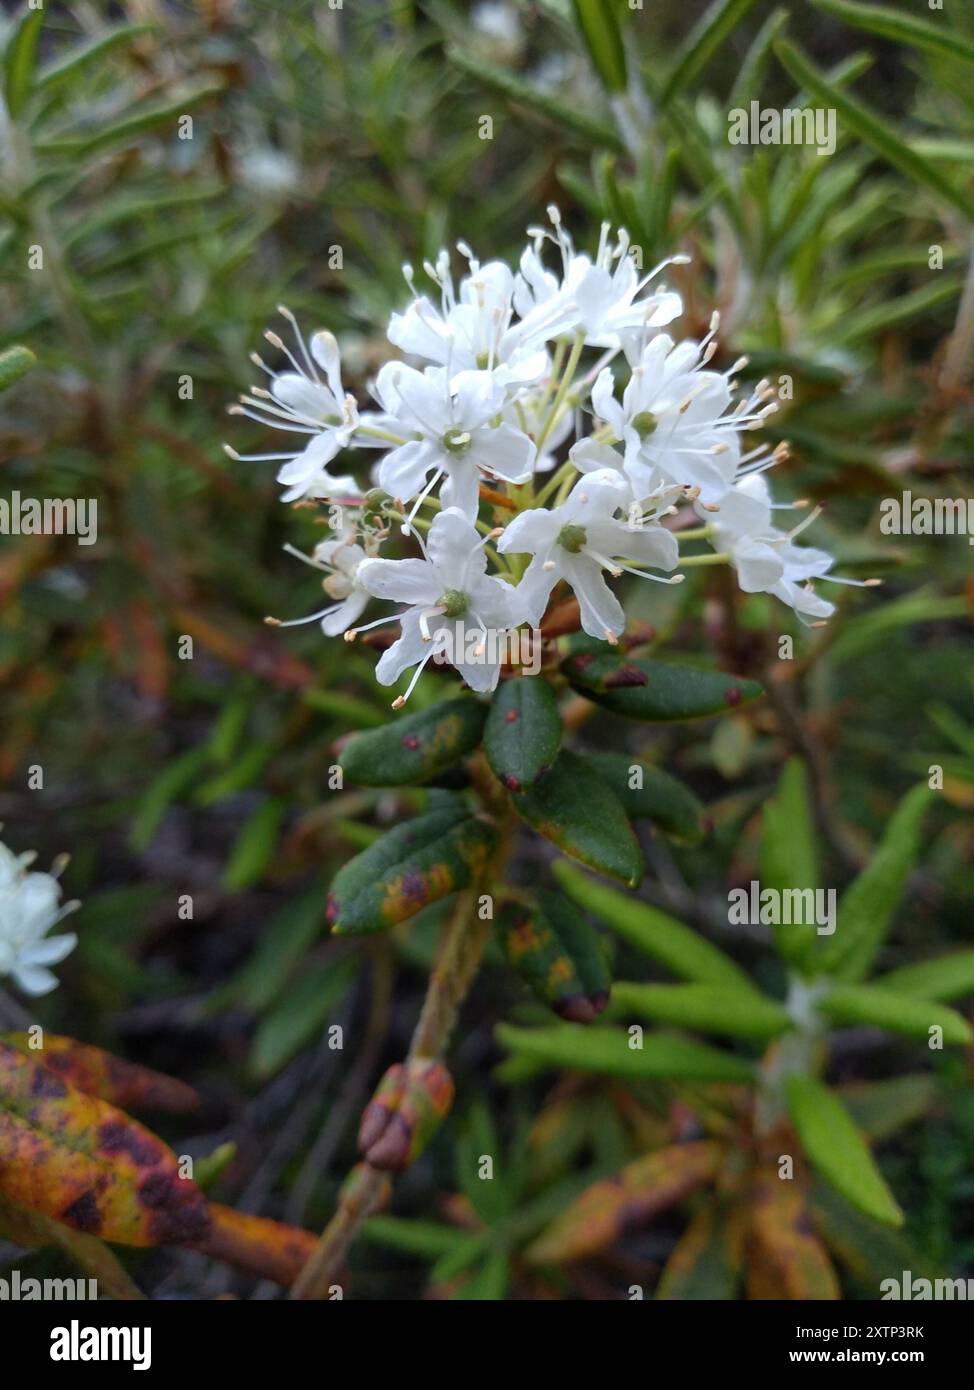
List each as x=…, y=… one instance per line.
x=558, y=955
x=576, y=811
x=416, y=747
x=413, y=865
x=608, y=1051
x=603, y=38
x=18, y=59
x=656, y=690
x=523, y=732
x=656, y=796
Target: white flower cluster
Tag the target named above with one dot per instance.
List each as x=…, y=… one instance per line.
x=499, y=385
x=30, y=905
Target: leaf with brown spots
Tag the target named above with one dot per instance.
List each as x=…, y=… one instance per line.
x=32, y=1230
x=266, y=1248
x=98, y=1073
x=414, y=747
x=415, y=864
x=80, y=1160
x=786, y=1259
x=633, y=1196
x=558, y=955
x=659, y=691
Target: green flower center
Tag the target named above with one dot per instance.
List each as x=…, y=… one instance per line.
x=572, y=538
x=454, y=603
x=645, y=423
x=456, y=441
x=483, y=360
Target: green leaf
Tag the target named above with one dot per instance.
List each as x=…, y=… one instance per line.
x=603, y=38
x=705, y=1263
x=155, y=801
x=682, y=951
x=750, y=76
x=871, y=127
x=656, y=690
x=789, y=854
x=898, y=1013
x=253, y=850
x=568, y=119
x=18, y=59
x=946, y=977
x=837, y=1149
x=79, y=57
x=523, y=731
x=705, y=38
x=558, y=955
x=282, y=944
x=882, y=1108
x=657, y=797
x=132, y=127
x=867, y=906
x=301, y=1015
x=576, y=811
x=707, y=1008
x=416, y=747
x=15, y=362
x=870, y=1251
x=428, y=1239
x=415, y=864
x=606, y=1051
x=902, y=28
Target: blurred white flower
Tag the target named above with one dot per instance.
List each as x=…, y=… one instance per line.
x=30, y=905
x=340, y=558
x=580, y=539
x=307, y=400
x=449, y=594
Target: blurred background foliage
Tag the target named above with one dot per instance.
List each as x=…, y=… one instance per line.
x=184, y=169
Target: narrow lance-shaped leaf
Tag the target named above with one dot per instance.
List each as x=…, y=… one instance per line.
x=523, y=731
x=558, y=955
x=706, y=1261
x=946, y=977
x=19, y=57
x=599, y=24
x=707, y=1008
x=903, y=27
x=612, y=1052
x=98, y=1073
x=416, y=747
x=631, y=1197
x=789, y=855
x=878, y=1007
x=575, y=810
x=82, y=1161
x=413, y=865
x=871, y=128
x=649, y=792
x=837, y=1149
x=867, y=906
x=684, y=952
x=658, y=691
x=787, y=1259
x=703, y=41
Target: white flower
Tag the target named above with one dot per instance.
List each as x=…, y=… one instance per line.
x=449, y=595
x=309, y=402
x=766, y=559
x=529, y=411
x=29, y=907
x=472, y=333
x=580, y=539
x=599, y=298
x=341, y=558
x=453, y=436
x=673, y=418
